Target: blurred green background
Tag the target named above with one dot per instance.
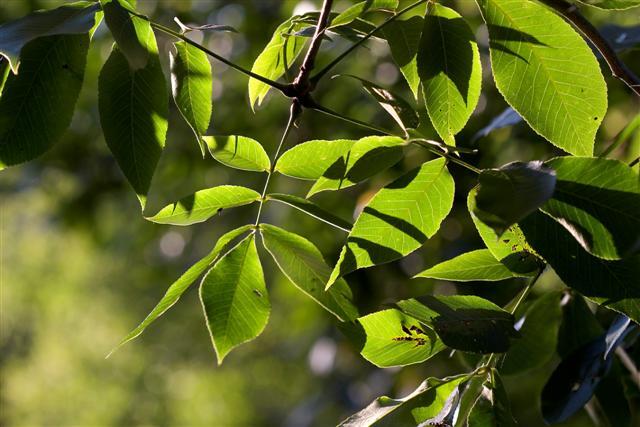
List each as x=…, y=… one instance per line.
x=79, y=266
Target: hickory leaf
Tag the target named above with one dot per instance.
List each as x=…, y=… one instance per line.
x=132, y=34
x=403, y=37
x=360, y=8
x=398, y=219
x=305, y=267
x=192, y=84
x=238, y=152
x=234, y=298
x=183, y=283
x=204, y=204
x=546, y=72
x=450, y=70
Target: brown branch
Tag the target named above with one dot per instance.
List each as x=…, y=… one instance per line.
x=301, y=83
x=619, y=70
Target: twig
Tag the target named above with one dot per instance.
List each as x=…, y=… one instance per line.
x=619, y=70
x=329, y=112
x=314, y=80
x=628, y=363
x=448, y=156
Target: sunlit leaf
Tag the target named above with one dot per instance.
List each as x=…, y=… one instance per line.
x=204, y=204
x=238, y=152
x=464, y=322
x=133, y=108
x=37, y=105
x=72, y=18
x=395, y=339
x=598, y=201
x=547, y=73
x=131, y=33
x=475, y=265
x=234, y=298
x=403, y=37
x=312, y=209
x=612, y=4
x=538, y=329
x=510, y=193
x=178, y=287
x=398, y=219
x=303, y=264
x=360, y=8
x=192, y=84
x=420, y=408
x=450, y=70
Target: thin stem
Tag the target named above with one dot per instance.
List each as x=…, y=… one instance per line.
x=448, y=156
x=628, y=363
x=327, y=68
x=623, y=136
x=634, y=162
x=294, y=113
x=281, y=87
x=302, y=80
x=513, y=307
x=329, y=112
x=444, y=146
x=619, y=70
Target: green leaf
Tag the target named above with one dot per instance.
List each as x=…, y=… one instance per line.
x=4, y=72
x=547, y=73
x=468, y=400
x=464, y=322
x=192, y=85
x=395, y=339
x=398, y=108
x=630, y=307
x=204, y=204
x=420, y=408
x=359, y=9
x=239, y=152
x=471, y=266
x=612, y=4
x=589, y=275
x=134, y=108
x=312, y=209
x=598, y=202
x=508, y=194
x=303, y=264
x=234, y=298
x=538, y=335
x=366, y=157
x=178, y=287
x=73, y=18
x=341, y=163
x=509, y=246
x=579, y=326
x=398, y=219
x=274, y=60
x=37, y=105
x=450, y=70
x=132, y=34
x=492, y=408
x=404, y=39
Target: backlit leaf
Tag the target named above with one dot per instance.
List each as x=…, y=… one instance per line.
x=360, y=8
x=192, y=84
x=234, y=298
x=450, y=70
x=471, y=266
x=303, y=264
x=395, y=339
x=398, y=219
x=204, y=204
x=546, y=72
x=403, y=37
x=132, y=34
x=612, y=4
x=238, y=152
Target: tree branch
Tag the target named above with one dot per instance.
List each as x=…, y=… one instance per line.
x=619, y=70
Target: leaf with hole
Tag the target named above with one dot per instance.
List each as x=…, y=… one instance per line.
x=450, y=70
x=398, y=219
x=510, y=193
x=204, y=204
x=183, y=283
x=598, y=201
x=311, y=209
x=37, y=104
x=239, y=152
x=303, y=264
x=73, y=18
x=192, y=85
x=234, y=298
x=478, y=265
x=464, y=322
x=133, y=106
x=547, y=73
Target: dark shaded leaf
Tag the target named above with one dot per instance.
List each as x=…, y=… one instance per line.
x=403, y=37
x=131, y=33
